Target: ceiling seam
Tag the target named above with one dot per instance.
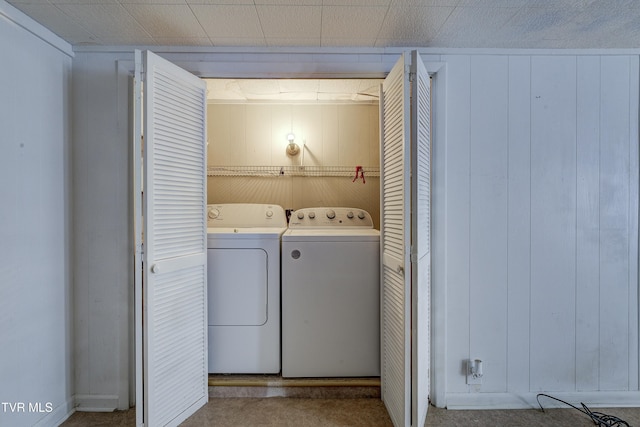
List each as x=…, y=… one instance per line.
x=195, y=15
x=264, y=37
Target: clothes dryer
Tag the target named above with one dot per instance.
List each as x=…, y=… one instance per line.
x=243, y=268
x=330, y=294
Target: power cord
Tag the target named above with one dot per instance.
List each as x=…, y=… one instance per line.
x=598, y=418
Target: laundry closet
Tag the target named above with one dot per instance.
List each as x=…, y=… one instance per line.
x=335, y=124
x=295, y=144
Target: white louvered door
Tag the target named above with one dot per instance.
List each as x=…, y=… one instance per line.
x=421, y=238
x=175, y=274
x=395, y=227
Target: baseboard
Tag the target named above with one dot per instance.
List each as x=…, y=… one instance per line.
x=96, y=402
x=595, y=399
x=58, y=415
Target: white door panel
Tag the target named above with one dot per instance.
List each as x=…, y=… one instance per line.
x=174, y=313
x=404, y=238
x=395, y=244
x=421, y=243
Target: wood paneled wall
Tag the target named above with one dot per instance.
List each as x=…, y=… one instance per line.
x=541, y=243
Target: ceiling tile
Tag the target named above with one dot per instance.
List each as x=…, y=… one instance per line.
x=352, y=22
x=536, y=24
x=492, y=4
x=167, y=20
x=289, y=2
x=385, y=3
x=59, y=23
x=347, y=42
x=473, y=26
x=238, y=41
x=183, y=41
x=423, y=3
x=416, y=24
x=290, y=22
x=107, y=20
x=228, y=21
x=294, y=41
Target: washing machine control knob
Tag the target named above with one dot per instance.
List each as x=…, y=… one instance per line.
x=349, y=214
x=331, y=214
x=312, y=215
x=269, y=214
x=213, y=213
x=361, y=215
x=300, y=215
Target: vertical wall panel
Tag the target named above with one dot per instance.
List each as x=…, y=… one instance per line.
x=614, y=224
x=553, y=222
x=587, y=223
x=488, y=218
x=519, y=223
x=257, y=131
x=457, y=212
x=634, y=172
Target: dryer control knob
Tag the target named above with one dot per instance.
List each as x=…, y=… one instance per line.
x=331, y=214
x=312, y=215
x=349, y=214
x=213, y=213
x=300, y=215
x=361, y=215
x=269, y=214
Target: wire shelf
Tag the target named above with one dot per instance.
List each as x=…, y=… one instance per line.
x=263, y=171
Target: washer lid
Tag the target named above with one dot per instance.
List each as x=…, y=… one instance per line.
x=331, y=235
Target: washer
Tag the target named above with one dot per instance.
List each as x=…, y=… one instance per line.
x=243, y=268
x=330, y=294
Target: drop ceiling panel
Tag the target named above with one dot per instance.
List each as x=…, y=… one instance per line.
x=107, y=20
x=60, y=23
x=473, y=26
x=414, y=23
x=339, y=23
x=290, y=22
x=228, y=21
x=355, y=22
x=285, y=90
x=167, y=20
x=367, y=3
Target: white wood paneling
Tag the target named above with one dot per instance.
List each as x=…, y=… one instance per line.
x=553, y=224
x=488, y=218
x=519, y=224
x=36, y=276
x=614, y=223
x=458, y=217
x=567, y=212
x=588, y=219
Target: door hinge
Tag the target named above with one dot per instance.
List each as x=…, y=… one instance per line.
x=412, y=76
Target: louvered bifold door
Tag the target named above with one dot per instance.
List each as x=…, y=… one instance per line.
x=395, y=274
x=175, y=273
x=420, y=238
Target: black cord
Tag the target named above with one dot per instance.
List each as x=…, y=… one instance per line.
x=598, y=418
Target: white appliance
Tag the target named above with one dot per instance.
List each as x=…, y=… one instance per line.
x=243, y=268
x=330, y=294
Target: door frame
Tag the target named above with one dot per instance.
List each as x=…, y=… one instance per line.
x=237, y=63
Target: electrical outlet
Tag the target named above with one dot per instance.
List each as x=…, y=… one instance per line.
x=474, y=371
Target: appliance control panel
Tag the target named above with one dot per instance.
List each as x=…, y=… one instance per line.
x=246, y=215
x=330, y=217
